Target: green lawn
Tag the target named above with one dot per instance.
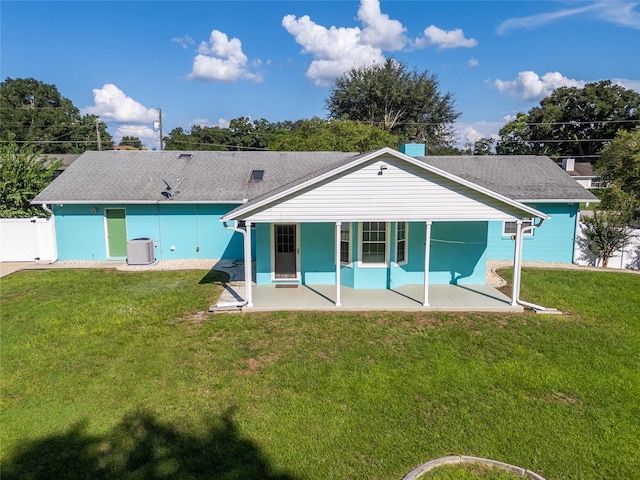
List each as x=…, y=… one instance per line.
x=111, y=375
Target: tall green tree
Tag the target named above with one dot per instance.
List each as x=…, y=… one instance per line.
x=619, y=164
x=316, y=134
x=198, y=138
x=128, y=141
x=24, y=172
x=35, y=112
x=405, y=102
x=573, y=122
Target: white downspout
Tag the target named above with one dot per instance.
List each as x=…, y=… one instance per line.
x=516, y=291
x=247, y=278
x=338, y=281
x=55, y=236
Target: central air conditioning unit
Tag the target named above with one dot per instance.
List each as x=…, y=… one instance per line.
x=140, y=251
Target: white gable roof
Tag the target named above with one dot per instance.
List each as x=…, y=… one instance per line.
x=382, y=185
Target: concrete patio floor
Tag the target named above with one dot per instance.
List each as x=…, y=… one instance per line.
x=445, y=298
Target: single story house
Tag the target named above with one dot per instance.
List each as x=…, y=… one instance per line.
x=374, y=220
x=582, y=172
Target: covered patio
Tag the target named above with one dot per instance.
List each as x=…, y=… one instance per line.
x=442, y=298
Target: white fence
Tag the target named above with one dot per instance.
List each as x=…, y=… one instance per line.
x=628, y=258
x=27, y=240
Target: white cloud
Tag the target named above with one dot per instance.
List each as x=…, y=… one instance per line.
x=186, y=41
x=147, y=135
x=444, y=38
x=379, y=30
x=204, y=122
x=335, y=50
x=473, y=62
x=626, y=83
x=469, y=133
x=621, y=13
x=221, y=59
x=112, y=105
x=531, y=87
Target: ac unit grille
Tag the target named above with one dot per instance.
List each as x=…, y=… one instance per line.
x=140, y=251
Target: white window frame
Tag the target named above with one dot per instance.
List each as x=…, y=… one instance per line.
x=345, y=227
x=363, y=264
x=526, y=222
x=405, y=260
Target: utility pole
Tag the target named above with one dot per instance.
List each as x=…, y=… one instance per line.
x=98, y=122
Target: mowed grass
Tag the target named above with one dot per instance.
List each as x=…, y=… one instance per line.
x=109, y=375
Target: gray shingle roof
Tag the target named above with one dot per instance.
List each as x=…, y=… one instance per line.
x=219, y=177
x=206, y=177
x=520, y=177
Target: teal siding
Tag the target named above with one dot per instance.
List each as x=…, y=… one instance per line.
x=552, y=242
x=317, y=253
x=194, y=230
x=263, y=253
x=458, y=255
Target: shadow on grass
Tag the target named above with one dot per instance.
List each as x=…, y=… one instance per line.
x=142, y=447
x=214, y=276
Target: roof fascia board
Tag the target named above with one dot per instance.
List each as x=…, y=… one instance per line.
x=555, y=200
x=138, y=202
x=378, y=153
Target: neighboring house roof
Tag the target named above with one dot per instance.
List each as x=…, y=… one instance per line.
x=583, y=170
x=225, y=177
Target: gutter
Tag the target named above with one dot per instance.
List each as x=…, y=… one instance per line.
x=517, y=299
x=244, y=302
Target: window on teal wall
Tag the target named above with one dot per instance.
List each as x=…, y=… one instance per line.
x=401, y=243
x=509, y=228
x=345, y=243
x=373, y=244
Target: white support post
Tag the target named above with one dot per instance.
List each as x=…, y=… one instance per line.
x=517, y=264
x=427, y=254
x=338, y=239
x=247, y=265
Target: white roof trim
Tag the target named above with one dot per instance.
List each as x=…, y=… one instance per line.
x=369, y=156
x=139, y=202
x=555, y=200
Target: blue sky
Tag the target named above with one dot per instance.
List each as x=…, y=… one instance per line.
x=207, y=62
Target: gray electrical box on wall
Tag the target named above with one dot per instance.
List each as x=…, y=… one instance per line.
x=140, y=251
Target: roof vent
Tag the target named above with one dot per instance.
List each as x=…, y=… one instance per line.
x=186, y=156
x=257, y=175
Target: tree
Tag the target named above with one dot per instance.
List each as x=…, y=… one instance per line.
x=316, y=134
x=25, y=172
x=199, y=138
x=35, y=112
x=484, y=146
x=134, y=142
x=606, y=233
x=404, y=102
x=573, y=122
x=619, y=164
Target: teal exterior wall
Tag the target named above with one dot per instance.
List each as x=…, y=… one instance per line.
x=194, y=231
x=552, y=242
x=458, y=255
